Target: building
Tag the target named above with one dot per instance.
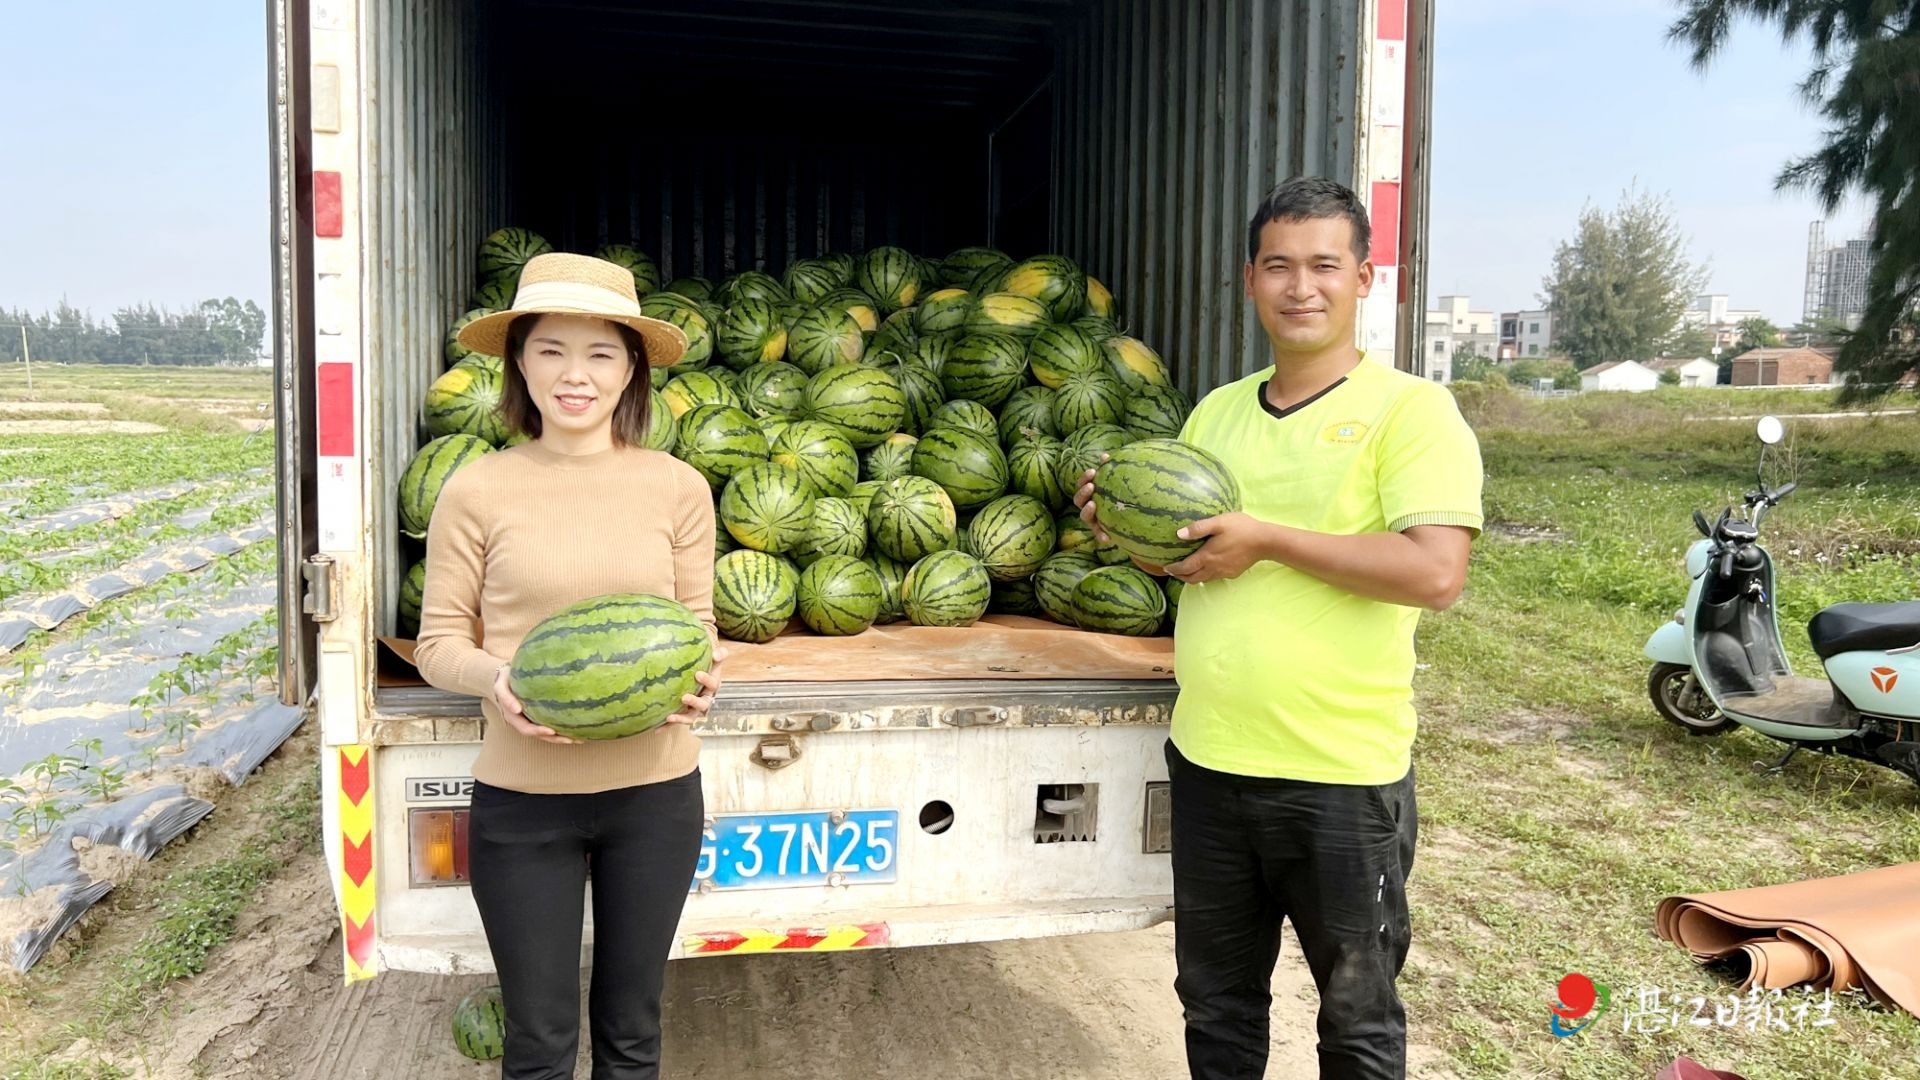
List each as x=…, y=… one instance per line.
x=1715, y=314
x=1693, y=371
x=1619, y=375
x=1454, y=329
x=1836, y=278
x=1525, y=334
x=1783, y=367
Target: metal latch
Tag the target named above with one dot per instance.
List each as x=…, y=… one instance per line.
x=775, y=752
x=976, y=716
x=820, y=721
x=320, y=573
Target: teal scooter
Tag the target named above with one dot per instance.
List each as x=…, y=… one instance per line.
x=1721, y=663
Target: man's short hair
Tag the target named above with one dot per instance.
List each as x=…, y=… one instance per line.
x=1306, y=197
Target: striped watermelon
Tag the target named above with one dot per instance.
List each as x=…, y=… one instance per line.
x=505, y=252
x=719, y=441
x=1075, y=535
x=810, y=279
x=891, y=276
x=1135, y=365
x=1015, y=598
x=480, y=1024
x=1099, y=300
x=750, y=333
x=777, y=389
x=946, y=588
x=1012, y=536
x=1147, y=492
x=684, y=392
x=843, y=264
x=862, y=495
x=1061, y=351
x=1028, y=413
x=932, y=350
x=754, y=595
x=1007, y=313
x=1110, y=554
x=767, y=507
x=896, y=334
x=1172, y=586
x=427, y=473
x=890, y=460
x=925, y=394
x=965, y=266
x=892, y=574
x=1054, y=280
x=455, y=351
x=839, y=595
x=723, y=542
x=1083, y=450
x=1055, y=581
x=823, y=337
x=465, y=400
x=1156, y=412
x=946, y=309
x=413, y=588
x=688, y=316
x=663, y=428
x=855, y=303
x=1088, y=399
x=1100, y=327
x=774, y=427
x=610, y=666
x=750, y=285
x=971, y=468
x=1033, y=470
x=967, y=416
x=691, y=288
x=646, y=272
x=837, y=529
x=1119, y=600
x=986, y=368
x=910, y=518
x=819, y=454
x=867, y=404
x=496, y=294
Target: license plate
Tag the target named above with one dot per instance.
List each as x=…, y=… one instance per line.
x=806, y=847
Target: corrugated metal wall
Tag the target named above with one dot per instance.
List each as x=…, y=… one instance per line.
x=1172, y=119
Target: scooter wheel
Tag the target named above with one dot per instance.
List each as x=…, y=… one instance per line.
x=1679, y=700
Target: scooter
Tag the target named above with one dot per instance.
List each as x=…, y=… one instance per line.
x=1721, y=662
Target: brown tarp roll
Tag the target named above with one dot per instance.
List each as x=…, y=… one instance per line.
x=996, y=647
x=1855, y=931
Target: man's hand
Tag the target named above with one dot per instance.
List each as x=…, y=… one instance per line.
x=1234, y=542
x=1083, y=498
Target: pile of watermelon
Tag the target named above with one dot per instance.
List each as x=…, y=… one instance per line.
x=890, y=438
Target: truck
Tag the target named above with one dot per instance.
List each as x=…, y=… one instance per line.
x=1133, y=136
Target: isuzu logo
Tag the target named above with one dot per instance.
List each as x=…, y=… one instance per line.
x=439, y=788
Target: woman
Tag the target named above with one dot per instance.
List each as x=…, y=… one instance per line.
x=582, y=510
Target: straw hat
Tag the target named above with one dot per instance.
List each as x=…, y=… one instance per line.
x=561, y=284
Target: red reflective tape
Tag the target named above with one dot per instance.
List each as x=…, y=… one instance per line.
x=1392, y=21
x=876, y=935
x=334, y=414
x=353, y=775
x=359, y=939
x=357, y=859
x=1383, y=212
x=328, y=216
x=802, y=939
x=713, y=943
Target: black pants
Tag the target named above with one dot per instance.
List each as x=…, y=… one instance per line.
x=1332, y=859
x=528, y=858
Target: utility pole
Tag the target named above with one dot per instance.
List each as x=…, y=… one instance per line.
x=27, y=355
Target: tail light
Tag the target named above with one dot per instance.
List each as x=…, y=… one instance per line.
x=437, y=847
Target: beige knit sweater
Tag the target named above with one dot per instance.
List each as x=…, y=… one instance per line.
x=523, y=532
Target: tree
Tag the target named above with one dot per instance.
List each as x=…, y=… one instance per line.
x=1470, y=366
x=1690, y=341
x=1756, y=333
x=1619, y=286
x=1525, y=372
x=1866, y=83
x=1669, y=376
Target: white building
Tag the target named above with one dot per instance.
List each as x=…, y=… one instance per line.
x=1717, y=315
x=1525, y=335
x=1619, y=375
x=1454, y=329
x=1693, y=371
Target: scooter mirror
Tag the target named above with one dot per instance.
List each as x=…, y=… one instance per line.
x=1771, y=430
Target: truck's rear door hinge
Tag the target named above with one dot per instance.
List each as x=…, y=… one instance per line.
x=321, y=575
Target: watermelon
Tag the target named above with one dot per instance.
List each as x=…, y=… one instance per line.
x=1033, y=470
x=971, y=468
x=1075, y=535
x=465, y=400
x=892, y=574
x=413, y=588
x=967, y=416
x=855, y=303
x=774, y=427
x=1172, y=586
x=810, y=279
x=890, y=460
x=719, y=441
x=687, y=315
x=839, y=595
x=1083, y=450
x=692, y=288
x=837, y=529
x=1135, y=365
x=1156, y=412
x=896, y=334
x=684, y=392
x=767, y=507
x=496, y=293
x=480, y=1024
x=1088, y=399
x=946, y=309
x=1028, y=413
x=1147, y=492
x=663, y=429
x=646, y=273
x=823, y=337
x=986, y=368
x=843, y=264
x=910, y=518
x=1119, y=600
x=867, y=404
x=946, y=588
x=1099, y=300
x=778, y=389
x=891, y=276
x=1054, y=280
x=610, y=666
x=750, y=285
x=1055, y=581
x=455, y=351
x=819, y=454
x=723, y=542
x=1100, y=327
x=924, y=394
x=427, y=473
x=932, y=350
x=505, y=252
x=750, y=333
x=754, y=595
x=1012, y=536
x=862, y=495
x=1015, y=598
x=1061, y=351
x=1007, y=313
x=967, y=265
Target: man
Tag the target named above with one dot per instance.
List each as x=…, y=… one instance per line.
x=1290, y=755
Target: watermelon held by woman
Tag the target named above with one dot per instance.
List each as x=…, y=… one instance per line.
x=610, y=666
x=1148, y=491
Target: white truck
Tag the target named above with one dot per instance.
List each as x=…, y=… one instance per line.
x=1134, y=136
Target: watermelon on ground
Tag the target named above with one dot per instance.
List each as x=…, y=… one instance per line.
x=480, y=1024
x=688, y=316
x=610, y=666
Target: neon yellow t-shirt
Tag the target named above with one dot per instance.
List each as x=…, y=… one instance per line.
x=1281, y=674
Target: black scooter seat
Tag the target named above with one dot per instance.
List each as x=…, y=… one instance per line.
x=1855, y=627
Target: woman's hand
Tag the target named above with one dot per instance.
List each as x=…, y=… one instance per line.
x=697, y=705
x=517, y=720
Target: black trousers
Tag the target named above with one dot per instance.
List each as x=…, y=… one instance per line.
x=1330, y=858
x=528, y=857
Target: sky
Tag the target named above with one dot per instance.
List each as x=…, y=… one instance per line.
x=137, y=170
